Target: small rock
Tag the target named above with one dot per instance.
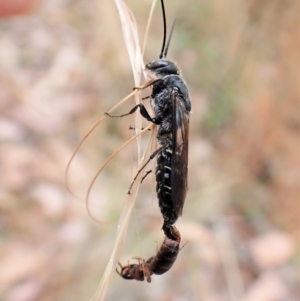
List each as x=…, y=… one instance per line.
x=272, y=249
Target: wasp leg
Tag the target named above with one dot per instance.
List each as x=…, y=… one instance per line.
x=146, y=85
x=145, y=268
x=140, y=260
x=143, y=112
x=132, y=128
x=183, y=245
x=146, y=174
x=150, y=158
x=119, y=272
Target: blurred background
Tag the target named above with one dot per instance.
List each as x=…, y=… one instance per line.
x=63, y=63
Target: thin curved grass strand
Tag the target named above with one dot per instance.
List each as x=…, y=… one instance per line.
x=104, y=165
x=121, y=230
x=87, y=135
x=148, y=26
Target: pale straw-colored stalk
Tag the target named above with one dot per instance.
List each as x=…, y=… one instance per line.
x=130, y=34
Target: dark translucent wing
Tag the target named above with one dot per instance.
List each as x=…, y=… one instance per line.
x=179, y=171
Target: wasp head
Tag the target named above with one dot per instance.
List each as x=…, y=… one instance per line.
x=162, y=67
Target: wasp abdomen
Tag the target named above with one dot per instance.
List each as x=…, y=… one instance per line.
x=165, y=258
x=164, y=186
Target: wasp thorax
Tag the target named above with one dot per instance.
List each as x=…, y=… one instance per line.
x=162, y=67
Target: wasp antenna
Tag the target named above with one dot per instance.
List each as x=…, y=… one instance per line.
x=165, y=29
x=169, y=39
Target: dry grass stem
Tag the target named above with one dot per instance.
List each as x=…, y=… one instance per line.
x=130, y=34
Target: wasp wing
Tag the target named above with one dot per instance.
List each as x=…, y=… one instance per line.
x=180, y=132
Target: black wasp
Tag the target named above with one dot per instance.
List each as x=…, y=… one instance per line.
x=171, y=104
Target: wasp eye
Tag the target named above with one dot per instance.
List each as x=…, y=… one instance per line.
x=162, y=67
x=157, y=64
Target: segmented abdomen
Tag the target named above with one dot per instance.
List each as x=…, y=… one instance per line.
x=165, y=258
x=164, y=186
